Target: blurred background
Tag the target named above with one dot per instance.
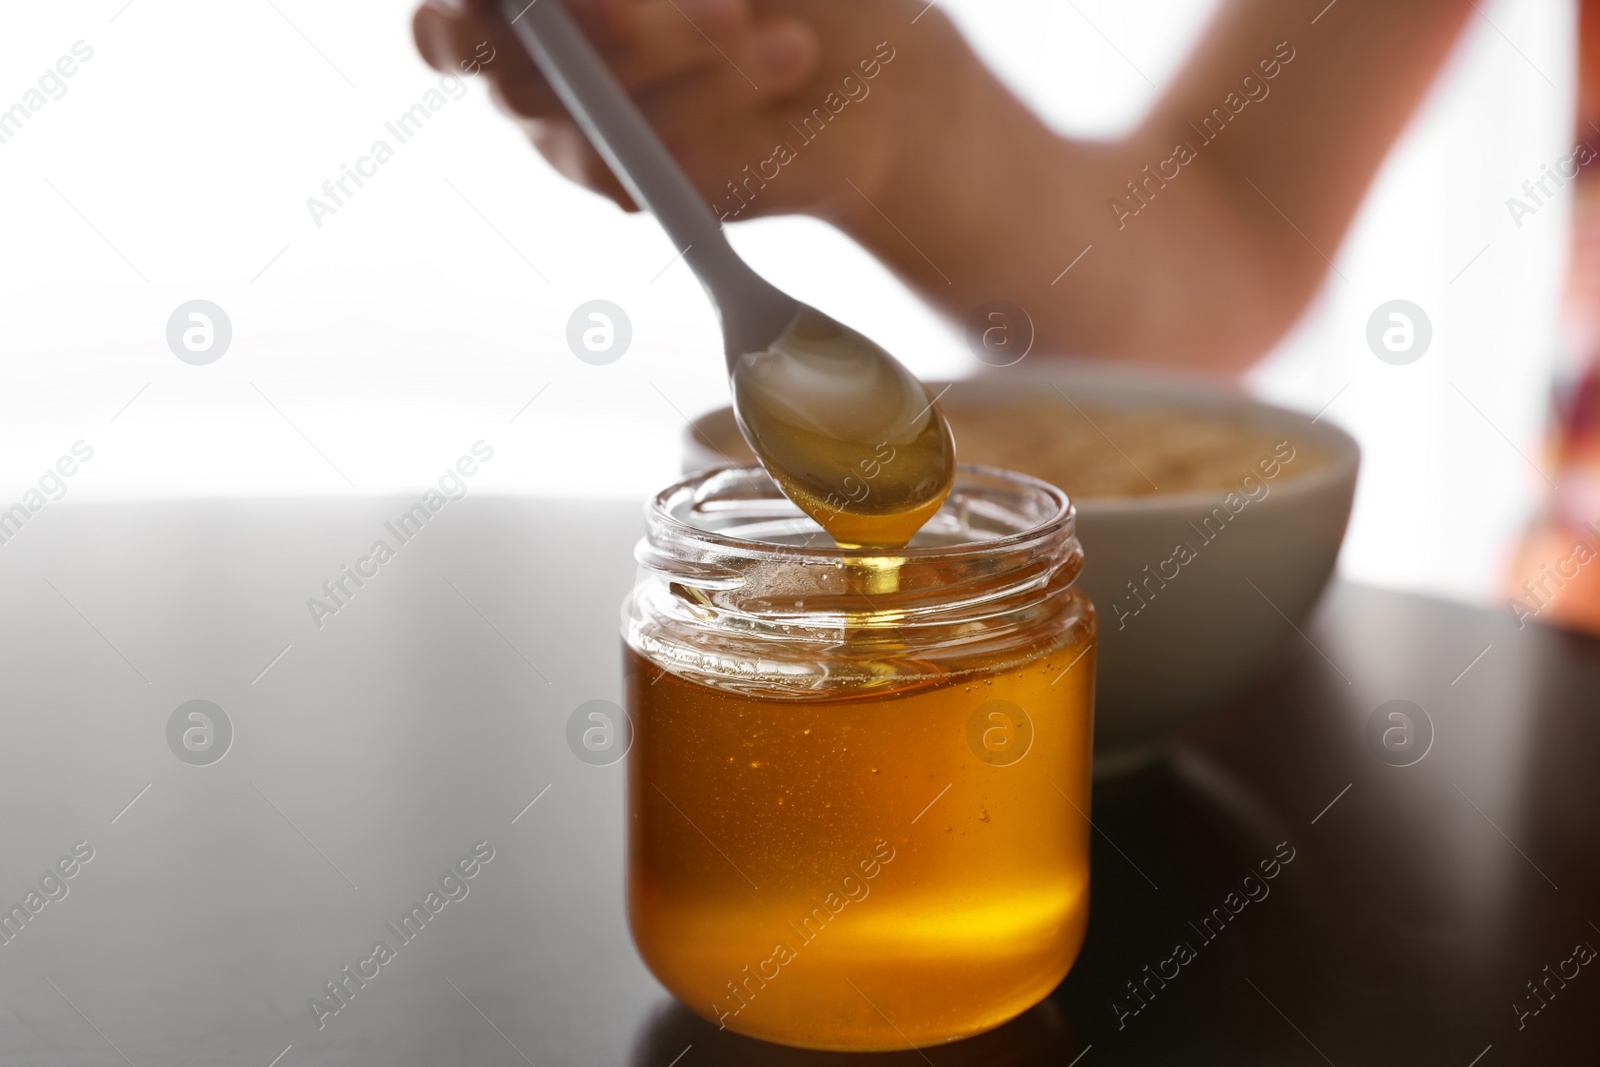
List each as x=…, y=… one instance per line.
x=371, y=346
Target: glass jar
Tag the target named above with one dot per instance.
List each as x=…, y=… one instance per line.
x=858, y=789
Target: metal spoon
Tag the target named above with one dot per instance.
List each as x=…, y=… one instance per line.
x=848, y=433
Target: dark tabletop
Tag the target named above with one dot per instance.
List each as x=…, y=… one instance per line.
x=428, y=715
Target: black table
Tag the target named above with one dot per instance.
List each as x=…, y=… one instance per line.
x=428, y=713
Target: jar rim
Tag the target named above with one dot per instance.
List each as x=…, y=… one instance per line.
x=991, y=581
x=1058, y=518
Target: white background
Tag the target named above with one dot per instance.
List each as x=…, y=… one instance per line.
x=405, y=328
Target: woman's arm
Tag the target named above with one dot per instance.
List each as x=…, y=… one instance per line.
x=1221, y=242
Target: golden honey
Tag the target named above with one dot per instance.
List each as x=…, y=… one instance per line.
x=846, y=431
x=859, y=820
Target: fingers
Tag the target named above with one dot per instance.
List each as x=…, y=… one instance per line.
x=780, y=55
x=665, y=42
x=688, y=63
x=603, y=20
x=569, y=152
x=449, y=33
x=689, y=113
x=646, y=42
x=672, y=37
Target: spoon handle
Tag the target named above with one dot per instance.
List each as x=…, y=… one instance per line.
x=753, y=311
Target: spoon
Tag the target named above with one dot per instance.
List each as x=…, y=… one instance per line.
x=847, y=432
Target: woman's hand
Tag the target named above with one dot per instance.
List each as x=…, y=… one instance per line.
x=875, y=115
x=770, y=106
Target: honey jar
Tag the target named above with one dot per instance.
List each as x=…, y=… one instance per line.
x=858, y=788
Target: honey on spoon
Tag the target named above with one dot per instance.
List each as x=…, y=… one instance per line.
x=848, y=433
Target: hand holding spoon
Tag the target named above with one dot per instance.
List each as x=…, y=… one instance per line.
x=845, y=430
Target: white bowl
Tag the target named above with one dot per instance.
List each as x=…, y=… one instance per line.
x=1187, y=642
